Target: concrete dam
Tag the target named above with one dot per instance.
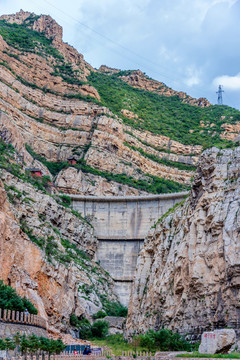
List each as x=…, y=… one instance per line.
x=121, y=224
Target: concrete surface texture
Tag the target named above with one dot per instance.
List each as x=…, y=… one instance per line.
x=121, y=224
x=128, y=217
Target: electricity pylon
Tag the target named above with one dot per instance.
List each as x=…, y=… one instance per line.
x=219, y=92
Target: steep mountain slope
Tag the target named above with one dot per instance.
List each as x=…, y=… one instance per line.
x=188, y=270
x=140, y=140
x=46, y=249
x=138, y=79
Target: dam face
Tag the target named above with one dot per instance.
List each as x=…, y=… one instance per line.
x=121, y=224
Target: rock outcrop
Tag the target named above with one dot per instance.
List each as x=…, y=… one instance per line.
x=188, y=271
x=46, y=253
x=72, y=181
x=218, y=341
x=116, y=324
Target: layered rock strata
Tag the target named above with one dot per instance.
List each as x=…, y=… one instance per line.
x=188, y=270
x=72, y=181
x=40, y=112
x=46, y=252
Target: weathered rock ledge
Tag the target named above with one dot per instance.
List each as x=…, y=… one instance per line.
x=188, y=271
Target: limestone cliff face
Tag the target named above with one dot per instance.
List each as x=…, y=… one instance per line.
x=47, y=103
x=188, y=271
x=54, y=126
x=46, y=252
x=72, y=181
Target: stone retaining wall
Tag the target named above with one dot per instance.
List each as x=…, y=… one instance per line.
x=10, y=329
x=23, y=318
x=12, y=322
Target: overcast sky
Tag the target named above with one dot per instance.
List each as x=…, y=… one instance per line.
x=190, y=45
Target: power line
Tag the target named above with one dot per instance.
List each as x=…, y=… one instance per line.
x=108, y=39
x=176, y=78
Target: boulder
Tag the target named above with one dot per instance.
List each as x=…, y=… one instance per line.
x=217, y=341
x=116, y=324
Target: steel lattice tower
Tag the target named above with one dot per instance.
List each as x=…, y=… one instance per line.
x=219, y=92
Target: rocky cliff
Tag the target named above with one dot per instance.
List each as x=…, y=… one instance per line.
x=50, y=100
x=47, y=103
x=126, y=135
x=46, y=249
x=188, y=271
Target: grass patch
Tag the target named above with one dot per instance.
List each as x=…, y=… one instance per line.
x=117, y=344
x=210, y=356
x=162, y=340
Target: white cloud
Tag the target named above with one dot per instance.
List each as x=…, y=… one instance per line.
x=228, y=82
x=193, y=76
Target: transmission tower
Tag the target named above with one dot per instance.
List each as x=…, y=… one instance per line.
x=219, y=92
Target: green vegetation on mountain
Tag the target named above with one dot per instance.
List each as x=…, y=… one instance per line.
x=150, y=183
x=8, y=162
x=23, y=38
x=162, y=160
x=9, y=299
x=164, y=115
x=158, y=114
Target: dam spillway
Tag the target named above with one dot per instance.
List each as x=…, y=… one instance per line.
x=121, y=224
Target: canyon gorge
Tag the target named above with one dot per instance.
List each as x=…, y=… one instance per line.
x=135, y=179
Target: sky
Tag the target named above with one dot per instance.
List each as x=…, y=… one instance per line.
x=190, y=45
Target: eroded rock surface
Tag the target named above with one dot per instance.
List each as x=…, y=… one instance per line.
x=46, y=254
x=188, y=271
x=73, y=181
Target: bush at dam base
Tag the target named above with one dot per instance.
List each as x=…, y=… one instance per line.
x=151, y=341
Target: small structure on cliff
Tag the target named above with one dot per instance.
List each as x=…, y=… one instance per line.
x=72, y=160
x=35, y=172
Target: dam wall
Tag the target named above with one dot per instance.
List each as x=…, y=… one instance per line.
x=121, y=224
x=127, y=217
